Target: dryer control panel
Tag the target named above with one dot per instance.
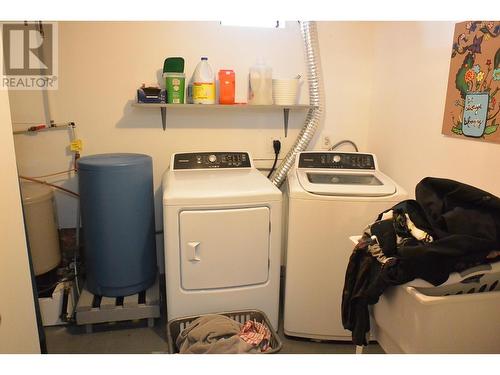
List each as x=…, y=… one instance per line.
x=209, y=160
x=337, y=160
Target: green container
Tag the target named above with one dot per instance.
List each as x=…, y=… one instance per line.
x=173, y=65
x=175, y=84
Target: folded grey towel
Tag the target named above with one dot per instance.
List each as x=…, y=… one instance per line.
x=215, y=334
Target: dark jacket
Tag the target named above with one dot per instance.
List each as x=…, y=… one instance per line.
x=461, y=223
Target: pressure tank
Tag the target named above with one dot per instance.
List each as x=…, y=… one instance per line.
x=117, y=207
x=41, y=225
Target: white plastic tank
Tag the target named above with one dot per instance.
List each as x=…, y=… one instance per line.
x=41, y=224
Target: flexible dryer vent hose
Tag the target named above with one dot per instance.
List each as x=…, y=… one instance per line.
x=310, y=36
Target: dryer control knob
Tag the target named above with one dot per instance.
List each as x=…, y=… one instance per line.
x=212, y=158
x=336, y=158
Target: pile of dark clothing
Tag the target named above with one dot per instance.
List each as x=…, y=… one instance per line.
x=450, y=227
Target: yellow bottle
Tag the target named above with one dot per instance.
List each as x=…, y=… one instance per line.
x=203, y=83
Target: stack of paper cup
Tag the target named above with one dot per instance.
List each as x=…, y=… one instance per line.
x=285, y=91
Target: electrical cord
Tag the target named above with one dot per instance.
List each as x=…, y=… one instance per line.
x=344, y=142
x=277, y=148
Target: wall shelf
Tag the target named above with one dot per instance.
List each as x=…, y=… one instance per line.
x=163, y=109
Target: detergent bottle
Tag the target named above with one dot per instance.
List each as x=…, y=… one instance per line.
x=260, y=84
x=203, y=89
x=227, y=86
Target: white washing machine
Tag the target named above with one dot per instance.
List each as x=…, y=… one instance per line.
x=332, y=195
x=222, y=227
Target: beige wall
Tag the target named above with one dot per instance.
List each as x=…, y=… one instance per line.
x=410, y=65
x=102, y=63
x=18, y=329
x=385, y=84
x=346, y=60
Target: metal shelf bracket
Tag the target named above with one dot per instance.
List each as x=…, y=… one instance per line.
x=163, y=111
x=286, y=113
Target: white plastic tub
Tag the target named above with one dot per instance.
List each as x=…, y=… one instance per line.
x=460, y=316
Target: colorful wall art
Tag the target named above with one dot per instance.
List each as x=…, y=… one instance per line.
x=472, y=100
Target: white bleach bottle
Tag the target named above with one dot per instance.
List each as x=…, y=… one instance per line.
x=260, y=84
x=203, y=83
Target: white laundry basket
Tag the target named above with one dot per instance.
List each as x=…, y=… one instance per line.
x=460, y=316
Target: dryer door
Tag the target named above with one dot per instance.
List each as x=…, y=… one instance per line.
x=224, y=248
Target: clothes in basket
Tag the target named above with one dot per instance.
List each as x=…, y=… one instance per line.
x=449, y=227
x=219, y=334
x=256, y=334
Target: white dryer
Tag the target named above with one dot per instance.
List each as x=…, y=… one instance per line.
x=331, y=196
x=222, y=227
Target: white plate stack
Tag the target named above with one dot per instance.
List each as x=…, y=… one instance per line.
x=285, y=91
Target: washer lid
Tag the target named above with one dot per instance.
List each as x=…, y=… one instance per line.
x=342, y=173
x=344, y=182
x=212, y=187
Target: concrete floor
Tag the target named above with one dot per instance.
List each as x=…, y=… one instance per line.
x=137, y=338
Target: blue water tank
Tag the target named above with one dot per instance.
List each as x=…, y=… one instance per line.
x=117, y=207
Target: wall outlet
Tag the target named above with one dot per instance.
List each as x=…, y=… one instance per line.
x=269, y=145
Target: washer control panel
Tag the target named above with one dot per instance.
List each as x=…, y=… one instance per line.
x=336, y=160
x=206, y=160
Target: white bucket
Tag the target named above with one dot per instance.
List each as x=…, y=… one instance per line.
x=285, y=91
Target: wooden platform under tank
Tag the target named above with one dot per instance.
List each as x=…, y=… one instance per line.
x=92, y=309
